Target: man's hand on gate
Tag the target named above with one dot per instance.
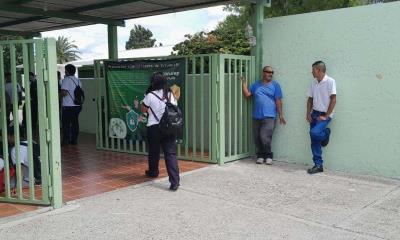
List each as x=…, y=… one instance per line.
x=243, y=80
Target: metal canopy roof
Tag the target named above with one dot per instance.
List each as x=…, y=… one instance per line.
x=30, y=17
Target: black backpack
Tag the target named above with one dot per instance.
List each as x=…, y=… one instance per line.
x=79, y=94
x=171, y=122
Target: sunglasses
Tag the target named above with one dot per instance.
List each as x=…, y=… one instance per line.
x=272, y=72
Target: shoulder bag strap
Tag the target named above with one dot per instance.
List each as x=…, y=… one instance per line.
x=155, y=116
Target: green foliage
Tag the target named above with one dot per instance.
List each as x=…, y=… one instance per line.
x=6, y=52
x=290, y=7
x=140, y=37
x=229, y=35
x=66, y=50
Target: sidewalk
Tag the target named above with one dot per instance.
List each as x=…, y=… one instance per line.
x=240, y=200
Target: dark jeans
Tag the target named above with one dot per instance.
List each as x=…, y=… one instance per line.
x=70, y=124
x=263, y=130
x=34, y=116
x=318, y=133
x=168, y=145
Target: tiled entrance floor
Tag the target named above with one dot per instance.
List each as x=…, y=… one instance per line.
x=87, y=171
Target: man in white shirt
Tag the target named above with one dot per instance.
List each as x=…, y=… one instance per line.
x=320, y=104
x=70, y=110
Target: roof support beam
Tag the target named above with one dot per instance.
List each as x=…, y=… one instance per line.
x=19, y=21
x=103, y=5
x=210, y=3
x=17, y=33
x=76, y=10
x=60, y=14
x=22, y=1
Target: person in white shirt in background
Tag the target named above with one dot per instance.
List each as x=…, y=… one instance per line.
x=320, y=104
x=154, y=104
x=70, y=111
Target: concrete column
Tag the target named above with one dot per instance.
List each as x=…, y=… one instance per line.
x=257, y=25
x=112, y=42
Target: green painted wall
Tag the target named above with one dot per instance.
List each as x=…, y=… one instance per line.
x=361, y=47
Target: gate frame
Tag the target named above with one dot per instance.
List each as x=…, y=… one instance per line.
x=217, y=139
x=48, y=119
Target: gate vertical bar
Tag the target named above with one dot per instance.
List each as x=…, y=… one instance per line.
x=202, y=107
x=218, y=108
x=211, y=145
x=99, y=132
x=28, y=122
x=235, y=109
x=194, y=146
x=15, y=113
x=186, y=137
x=221, y=106
x=54, y=124
x=4, y=126
x=240, y=117
x=214, y=107
x=42, y=117
x=246, y=113
x=230, y=128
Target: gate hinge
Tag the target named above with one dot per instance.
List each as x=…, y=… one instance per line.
x=45, y=78
x=45, y=75
x=48, y=135
x=50, y=191
x=50, y=187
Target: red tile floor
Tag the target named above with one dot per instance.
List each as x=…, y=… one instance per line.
x=87, y=172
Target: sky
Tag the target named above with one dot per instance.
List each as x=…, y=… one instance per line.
x=169, y=29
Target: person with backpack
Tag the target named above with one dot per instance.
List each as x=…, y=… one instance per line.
x=159, y=103
x=73, y=97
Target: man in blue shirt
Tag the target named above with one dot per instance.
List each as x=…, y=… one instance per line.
x=267, y=96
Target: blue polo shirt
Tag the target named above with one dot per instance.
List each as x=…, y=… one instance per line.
x=264, y=96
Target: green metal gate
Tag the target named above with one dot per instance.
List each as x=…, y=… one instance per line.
x=18, y=58
x=217, y=118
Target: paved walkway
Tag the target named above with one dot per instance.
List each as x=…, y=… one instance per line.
x=240, y=200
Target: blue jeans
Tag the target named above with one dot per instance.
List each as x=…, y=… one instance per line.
x=318, y=133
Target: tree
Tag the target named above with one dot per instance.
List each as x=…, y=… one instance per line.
x=66, y=50
x=6, y=52
x=229, y=35
x=140, y=37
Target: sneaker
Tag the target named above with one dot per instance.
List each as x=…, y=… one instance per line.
x=260, y=160
x=315, y=169
x=326, y=141
x=269, y=161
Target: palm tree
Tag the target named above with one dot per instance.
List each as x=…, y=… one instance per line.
x=66, y=50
